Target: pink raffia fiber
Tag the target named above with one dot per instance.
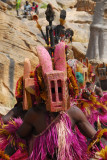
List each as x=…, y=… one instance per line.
x=104, y=98
x=19, y=155
x=61, y=140
x=94, y=110
x=8, y=135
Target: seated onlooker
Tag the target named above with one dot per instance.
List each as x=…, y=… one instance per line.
x=27, y=9
x=33, y=7
x=36, y=9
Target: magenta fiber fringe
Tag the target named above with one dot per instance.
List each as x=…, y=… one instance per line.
x=61, y=140
x=8, y=135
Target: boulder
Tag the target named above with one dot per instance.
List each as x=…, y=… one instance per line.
x=79, y=50
x=78, y=16
x=42, y=13
x=3, y=6
x=11, y=2
x=9, y=7
x=17, y=42
x=67, y=3
x=4, y=110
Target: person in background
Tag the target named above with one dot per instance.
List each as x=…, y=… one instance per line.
x=27, y=9
x=18, y=2
x=34, y=9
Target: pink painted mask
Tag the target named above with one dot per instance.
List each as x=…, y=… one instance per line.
x=55, y=80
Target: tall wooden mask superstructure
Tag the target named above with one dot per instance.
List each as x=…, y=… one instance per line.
x=55, y=80
x=97, y=48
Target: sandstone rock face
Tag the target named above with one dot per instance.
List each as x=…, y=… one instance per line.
x=78, y=16
x=3, y=6
x=67, y=3
x=12, y=2
x=16, y=43
x=3, y=110
x=79, y=50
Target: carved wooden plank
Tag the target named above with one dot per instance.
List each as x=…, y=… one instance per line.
x=26, y=82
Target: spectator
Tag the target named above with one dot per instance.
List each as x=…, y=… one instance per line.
x=27, y=9
x=36, y=9
x=33, y=7
x=18, y=2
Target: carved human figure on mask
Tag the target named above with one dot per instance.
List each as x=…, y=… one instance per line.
x=59, y=28
x=49, y=37
x=49, y=29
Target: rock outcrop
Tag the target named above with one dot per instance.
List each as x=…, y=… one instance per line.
x=67, y=3
x=78, y=16
x=12, y=2
x=79, y=50
x=16, y=43
x=4, y=110
x=3, y=6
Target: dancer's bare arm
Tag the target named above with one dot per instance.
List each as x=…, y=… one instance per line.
x=75, y=114
x=81, y=121
x=26, y=127
x=8, y=116
x=15, y=112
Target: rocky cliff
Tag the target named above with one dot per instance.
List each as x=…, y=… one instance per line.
x=16, y=43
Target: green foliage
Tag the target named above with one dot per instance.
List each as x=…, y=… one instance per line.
x=44, y=5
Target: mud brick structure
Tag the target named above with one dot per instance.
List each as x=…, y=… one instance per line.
x=97, y=48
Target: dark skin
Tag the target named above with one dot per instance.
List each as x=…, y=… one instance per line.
x=35, y=122
x=98, y=91
x=15, y=112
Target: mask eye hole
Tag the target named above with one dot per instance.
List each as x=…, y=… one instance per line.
x=53, y=91
x=60, y=90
